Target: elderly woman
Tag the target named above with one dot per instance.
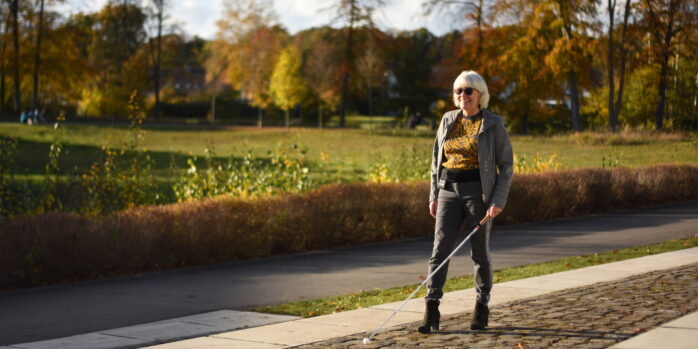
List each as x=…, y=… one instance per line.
x=471, y=174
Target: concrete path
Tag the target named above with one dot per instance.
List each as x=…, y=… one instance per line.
x=681, y=333
x=591, y=307
x=160, y=331
x=61, y=311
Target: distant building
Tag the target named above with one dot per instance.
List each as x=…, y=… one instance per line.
x=185, y=80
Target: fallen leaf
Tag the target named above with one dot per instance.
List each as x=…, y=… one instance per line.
x=422, y=277
x=638, y=330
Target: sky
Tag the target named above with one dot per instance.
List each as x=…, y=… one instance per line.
x=198, y=17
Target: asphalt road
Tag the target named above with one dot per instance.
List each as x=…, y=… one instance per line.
x=64, y=310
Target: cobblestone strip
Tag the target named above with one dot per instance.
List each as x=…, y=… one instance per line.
x=595, y=316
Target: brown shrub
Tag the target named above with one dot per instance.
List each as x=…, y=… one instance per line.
x=541, y=196
x=626, y=137
x=64, y=247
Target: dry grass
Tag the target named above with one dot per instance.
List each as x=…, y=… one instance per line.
x=63, y=247
x=536, y=197
x=628, y=137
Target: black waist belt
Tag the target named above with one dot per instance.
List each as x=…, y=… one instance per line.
x=460, y=175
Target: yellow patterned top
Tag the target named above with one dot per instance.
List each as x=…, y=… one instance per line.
x=460, y=148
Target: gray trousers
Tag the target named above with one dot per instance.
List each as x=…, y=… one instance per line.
x=458, y=202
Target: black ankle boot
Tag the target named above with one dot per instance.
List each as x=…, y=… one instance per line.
x=480, y=316
x=431, y=318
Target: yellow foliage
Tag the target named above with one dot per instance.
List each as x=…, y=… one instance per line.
x=287, y=88
x=381, y=174
x=536, y=165
x=324, y=157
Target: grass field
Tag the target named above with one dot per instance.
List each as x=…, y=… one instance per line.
x=345, y=154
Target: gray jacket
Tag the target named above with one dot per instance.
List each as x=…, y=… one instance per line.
x=494, y=153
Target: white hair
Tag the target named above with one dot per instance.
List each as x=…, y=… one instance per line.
x=473, y=80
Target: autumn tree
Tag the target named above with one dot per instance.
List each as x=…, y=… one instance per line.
x=413, y=57
x=523, y=65
x=287, y=88
x=451, y=47
x=322, y=65
x=119, y=32
x=665, y=21
x=472, y=12
x=571, y=55
x=566, y=32
x=352, y=13
x=371, y=68
x=246, y=49
x=252, y=66
x=68, y=66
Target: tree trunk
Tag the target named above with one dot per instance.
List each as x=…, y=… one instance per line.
x=479, y=29
x=621, y=82
x=343, y=104
x=659, y=112
x=2, y=64
x=664, y=34
x=611, y=78
x=37, y=58
x=287, y=122
x=671, y=103
x=158, y=60
x=694, y=124
x=574, y=101
x=666, y=52
x=370, y=100
x=349, y=62
x=14, y=10
x=568, y=34
x=213, y=109
x=259, y=117
x=319, y=118
x=524, y=123
x=525, y=126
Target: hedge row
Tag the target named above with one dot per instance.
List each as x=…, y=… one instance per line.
x=65, y=247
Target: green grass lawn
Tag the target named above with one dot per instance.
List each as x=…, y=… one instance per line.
x=343, y=155
x=363, y=299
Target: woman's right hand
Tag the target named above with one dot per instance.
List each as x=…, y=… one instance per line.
x=432, y=208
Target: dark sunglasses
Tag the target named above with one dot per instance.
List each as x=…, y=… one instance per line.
x=468, y=90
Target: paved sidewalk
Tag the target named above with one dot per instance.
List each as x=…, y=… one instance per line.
x=594, y=307
x=160, y=331
x=681, y=333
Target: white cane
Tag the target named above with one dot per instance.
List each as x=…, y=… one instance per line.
x=477, y=227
